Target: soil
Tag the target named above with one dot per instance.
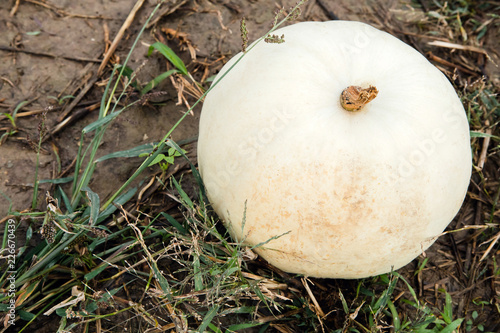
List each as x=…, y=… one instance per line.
x=49, y=50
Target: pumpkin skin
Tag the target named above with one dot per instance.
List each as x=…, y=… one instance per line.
x=350, y=194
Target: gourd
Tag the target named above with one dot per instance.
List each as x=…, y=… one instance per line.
x=340, y=153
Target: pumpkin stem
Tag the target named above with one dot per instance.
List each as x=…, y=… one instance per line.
x=353, y=98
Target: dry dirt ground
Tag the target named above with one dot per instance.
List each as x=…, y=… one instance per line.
x=50, y=52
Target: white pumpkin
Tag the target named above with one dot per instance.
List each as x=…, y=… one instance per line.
x=328, y=192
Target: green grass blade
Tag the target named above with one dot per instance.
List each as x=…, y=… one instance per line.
x=11, y=119
x=94, y=204
x=156, y=81
x=208, y=318
x=448, y=309
x=89, y=169
x=270, y=239
x=410, y=288
x=476, y=134
x=185, y=198
x=241, y=309
x=157, y=159
x=174, y=222
x=133, y=152
x=96, y=271
x=121, y=200
x=44, y=261
x=382, y=301
x=195, y=171
x=237, y=327
x=129, y=73
x=168, y=53
x=101, y=122
x=56, y=181
x=5, y=234
x=50, y=302
x=452, y=326
x=78, y=164
x=395, y=316
x=104, y=100
x=17, y=108
x=215, y=328
x=198, y=278
x=26, y=316
x=344, y=303
x=165, y=286
x=65, y=199
x=137, y=172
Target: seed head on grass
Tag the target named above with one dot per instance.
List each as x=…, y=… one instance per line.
x=296, y=11
x=35, y=144
x=244, y=34
x=294, y=14
x=280, y=14
x=154, y=97
x=100, y=233
x=48, y=231
x=81, y=239
x=274, y=39
x=277, y=16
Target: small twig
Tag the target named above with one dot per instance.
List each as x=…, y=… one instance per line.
x=119, y=35
x=448, y=45
x=64, y=13
x=414, y=34
x=484, y=148
x=8, y=81
x=219, y=18
x=14, y=9
x=311, y=295
x=443, y=281
x=68, y=168
x=331, y=15
x=442, y=61
x=25, y=104
x=87, y=81
x=145, y=188
x=30, y=113
x=46, y=54
x=472, y=244
x=71, y=119
x=488, y=250
x=34, y=112
x=458, y=259
x=107, y=42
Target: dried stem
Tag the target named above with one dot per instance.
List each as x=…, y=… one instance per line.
x=353, y=98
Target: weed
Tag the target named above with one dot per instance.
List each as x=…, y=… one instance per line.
x=61, y=100
x=12, y=119
x=164, y=161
